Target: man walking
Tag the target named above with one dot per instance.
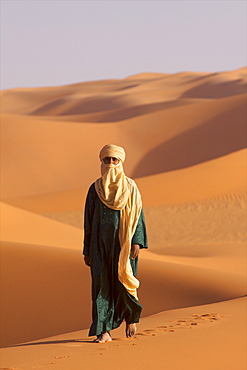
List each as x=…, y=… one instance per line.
x=114, y=232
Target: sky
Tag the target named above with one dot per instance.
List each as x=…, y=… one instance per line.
x=60, y=42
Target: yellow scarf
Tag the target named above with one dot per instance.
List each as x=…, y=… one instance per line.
x=119, y=192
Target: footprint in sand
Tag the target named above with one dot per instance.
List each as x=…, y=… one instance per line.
x=198, y=319
x=103, y=349
x=185, y=323
x=150, y=332
x=208, y=317
x=146, y=333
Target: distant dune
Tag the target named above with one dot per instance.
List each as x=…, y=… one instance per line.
x=185, y=139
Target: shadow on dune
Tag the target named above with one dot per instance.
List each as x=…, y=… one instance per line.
x=101, y=112
x=214, y=90
x=131, y=112
x=127, y=87
x=64, y=341
x=221, y=135
x=73, y=104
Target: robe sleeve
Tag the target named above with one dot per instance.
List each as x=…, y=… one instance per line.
x=88, y=219
x=140, y=235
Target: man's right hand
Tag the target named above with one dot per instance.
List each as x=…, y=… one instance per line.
x=87, y=260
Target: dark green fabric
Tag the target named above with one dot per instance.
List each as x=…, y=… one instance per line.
x=111, y=302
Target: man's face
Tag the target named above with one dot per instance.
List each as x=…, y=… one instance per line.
x=111, y=160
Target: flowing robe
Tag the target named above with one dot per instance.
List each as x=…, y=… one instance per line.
x=111, y=303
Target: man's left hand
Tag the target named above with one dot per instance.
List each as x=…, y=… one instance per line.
x=135, y=249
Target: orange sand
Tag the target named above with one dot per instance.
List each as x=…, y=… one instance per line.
x=185, y=138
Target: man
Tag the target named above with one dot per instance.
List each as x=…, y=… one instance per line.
x=114, y=232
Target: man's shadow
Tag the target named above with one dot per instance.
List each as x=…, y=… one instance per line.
x=51, y=342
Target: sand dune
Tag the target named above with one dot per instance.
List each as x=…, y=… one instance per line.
x=211, y=179
x=224, y=176
x=181, y=144
x=47, y=289
x=21, y=226
x=110, y=94
x=185, y=138
x=194, y=258
x=208, y=336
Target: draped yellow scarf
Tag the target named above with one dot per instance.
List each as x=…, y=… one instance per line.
x=119, y=192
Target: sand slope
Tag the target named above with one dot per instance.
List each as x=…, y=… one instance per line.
x=21, y=226
x=46, y=290
x=215, y=178
x=201, y=337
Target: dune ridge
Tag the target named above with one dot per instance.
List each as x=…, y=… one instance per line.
x=197, y=85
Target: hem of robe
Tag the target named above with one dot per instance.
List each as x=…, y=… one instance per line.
x=113, y=327
x=93, y=330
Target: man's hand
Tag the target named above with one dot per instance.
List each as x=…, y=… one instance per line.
x=87, y=260
x=135, y=248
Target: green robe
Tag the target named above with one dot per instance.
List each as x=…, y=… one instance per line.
x=111, y=302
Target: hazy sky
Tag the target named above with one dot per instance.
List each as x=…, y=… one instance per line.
x=54, y=42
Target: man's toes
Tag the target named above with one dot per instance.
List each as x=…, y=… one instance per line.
x=104, y=337
x=98, y=339
x=130, y=330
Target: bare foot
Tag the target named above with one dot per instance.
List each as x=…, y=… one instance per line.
x=103, y=337
x=130, y=330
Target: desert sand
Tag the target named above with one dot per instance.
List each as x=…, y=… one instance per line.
x=185, y=138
